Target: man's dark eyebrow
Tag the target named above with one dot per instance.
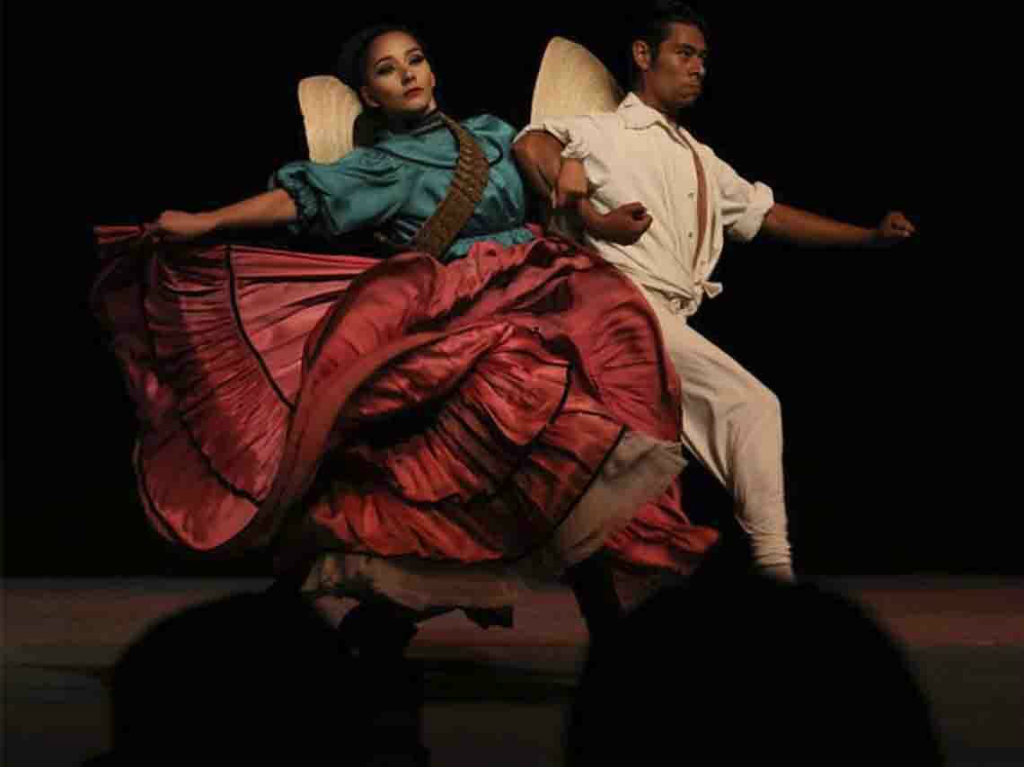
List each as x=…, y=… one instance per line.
x=385, y=58
x=702, y=52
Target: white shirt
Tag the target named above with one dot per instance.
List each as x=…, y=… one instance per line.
x=635, y=155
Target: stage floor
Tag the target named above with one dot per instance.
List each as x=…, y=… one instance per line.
x=497, y=697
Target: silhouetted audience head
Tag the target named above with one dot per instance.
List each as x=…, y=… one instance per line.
x=734, y=669
x=249, y=679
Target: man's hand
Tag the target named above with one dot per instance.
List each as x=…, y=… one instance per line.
x=894, y=228
x=624, y=225
x=571, y=185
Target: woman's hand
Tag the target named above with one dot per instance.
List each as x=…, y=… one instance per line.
x=623, y=225
x=178, y=226
x=571, y=185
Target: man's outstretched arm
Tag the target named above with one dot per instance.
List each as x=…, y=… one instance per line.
x=801, y=227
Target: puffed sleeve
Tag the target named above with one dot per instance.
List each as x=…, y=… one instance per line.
x=744, y=205
x=362, y=189
x=492, y=127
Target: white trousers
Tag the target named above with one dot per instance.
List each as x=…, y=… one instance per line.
x=732, y=423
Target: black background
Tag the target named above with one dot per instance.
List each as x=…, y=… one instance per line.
x=895, y=396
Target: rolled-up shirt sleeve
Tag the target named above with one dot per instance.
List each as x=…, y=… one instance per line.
x=744, y=204
x=575, y=133
x=364, y=188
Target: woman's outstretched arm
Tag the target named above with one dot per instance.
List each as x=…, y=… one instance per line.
x=264, y=210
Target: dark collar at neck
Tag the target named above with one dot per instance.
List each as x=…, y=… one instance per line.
x=414, y=126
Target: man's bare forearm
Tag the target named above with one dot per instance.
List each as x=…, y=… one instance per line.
x=801, y=227
x=539, y=156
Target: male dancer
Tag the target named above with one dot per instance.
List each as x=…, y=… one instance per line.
x=657, y=203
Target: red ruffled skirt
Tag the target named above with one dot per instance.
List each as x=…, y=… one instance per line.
x=437, y=433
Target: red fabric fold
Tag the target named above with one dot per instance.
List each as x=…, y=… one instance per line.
x=396, y=408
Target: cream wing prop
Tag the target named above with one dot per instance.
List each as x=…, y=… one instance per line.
x=329, y=111
x=572, y=81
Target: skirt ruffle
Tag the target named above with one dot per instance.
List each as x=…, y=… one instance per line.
x=436, y=433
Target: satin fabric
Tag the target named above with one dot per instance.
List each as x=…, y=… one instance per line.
x=403, y=408
x=398, y=183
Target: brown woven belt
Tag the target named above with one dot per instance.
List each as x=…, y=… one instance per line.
x=464, y=193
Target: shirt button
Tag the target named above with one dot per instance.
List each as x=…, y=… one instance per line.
x=691, y=195
x=690, y=235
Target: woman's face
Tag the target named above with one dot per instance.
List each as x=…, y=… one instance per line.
x=398, y=77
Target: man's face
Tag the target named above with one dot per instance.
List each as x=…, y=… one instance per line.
x=676, y=77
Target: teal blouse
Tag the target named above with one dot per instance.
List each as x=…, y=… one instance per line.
x=396, y=184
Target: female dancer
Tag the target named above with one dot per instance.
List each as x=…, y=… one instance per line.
x=422, y=433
